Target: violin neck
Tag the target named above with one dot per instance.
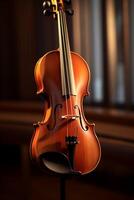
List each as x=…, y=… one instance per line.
x=67, y=75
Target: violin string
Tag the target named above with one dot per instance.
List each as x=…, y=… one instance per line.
x=61, y=56
x=66, y=75
x=69, y=59
x=64, y=65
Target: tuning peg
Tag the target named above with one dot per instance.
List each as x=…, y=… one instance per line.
x=47, y=12
x=46, y=4
x=67, y=1
x=70, y=11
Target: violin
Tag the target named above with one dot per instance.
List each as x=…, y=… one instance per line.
x=64, y=142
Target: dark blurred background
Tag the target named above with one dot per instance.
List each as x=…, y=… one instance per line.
x=102, y=31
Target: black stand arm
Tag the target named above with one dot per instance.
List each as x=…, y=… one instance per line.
x=62, y=188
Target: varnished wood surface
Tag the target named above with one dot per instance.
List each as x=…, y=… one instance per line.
x=15, y=184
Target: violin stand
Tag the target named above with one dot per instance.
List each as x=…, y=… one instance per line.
x=62, y=188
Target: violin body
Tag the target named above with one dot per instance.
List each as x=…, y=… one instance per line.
x=64, y=142
x=51, y=132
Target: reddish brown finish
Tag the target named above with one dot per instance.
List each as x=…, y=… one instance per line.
x=47, y=74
